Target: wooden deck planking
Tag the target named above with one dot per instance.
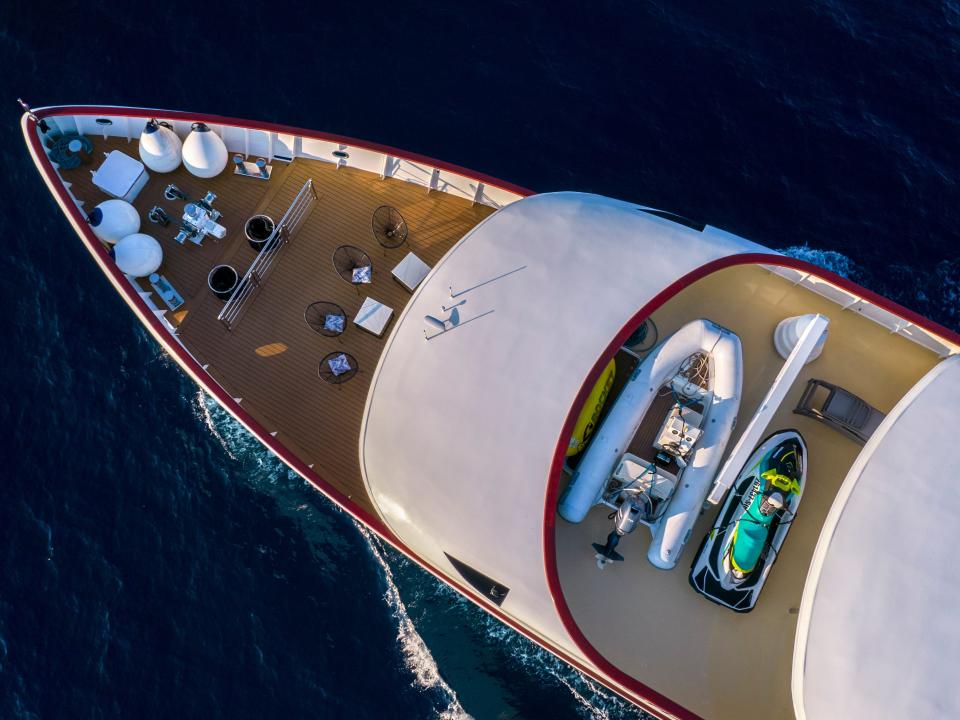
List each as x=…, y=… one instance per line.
x=185, y=266
x=270, y=360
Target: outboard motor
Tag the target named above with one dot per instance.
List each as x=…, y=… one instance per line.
x=632, y=510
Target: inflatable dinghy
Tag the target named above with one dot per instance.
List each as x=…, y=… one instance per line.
x=668, y=503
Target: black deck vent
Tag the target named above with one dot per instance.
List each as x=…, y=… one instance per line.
x=490, y=589
x=673, y=217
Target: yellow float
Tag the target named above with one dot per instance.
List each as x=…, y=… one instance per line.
x=587, y=422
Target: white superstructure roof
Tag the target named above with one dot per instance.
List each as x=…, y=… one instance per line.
x=879, y=630
x=460, y=431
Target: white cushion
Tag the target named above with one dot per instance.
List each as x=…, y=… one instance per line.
x=373, y=316
x=120, y=176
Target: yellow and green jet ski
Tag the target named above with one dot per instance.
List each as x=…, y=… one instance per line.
x=735, y=557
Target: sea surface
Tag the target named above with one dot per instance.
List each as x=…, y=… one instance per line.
x=155, y=560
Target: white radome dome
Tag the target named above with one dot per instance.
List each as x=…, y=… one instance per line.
x=113, y=220
x=160, y=148
x=138, y=255
x=788, y=332
x=204, y=153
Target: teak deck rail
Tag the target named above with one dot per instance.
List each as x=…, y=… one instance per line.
x=256, y=275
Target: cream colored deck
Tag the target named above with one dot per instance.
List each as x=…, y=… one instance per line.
x=270, y=359
x=649, y=622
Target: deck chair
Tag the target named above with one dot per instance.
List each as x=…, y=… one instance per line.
x=840, y=409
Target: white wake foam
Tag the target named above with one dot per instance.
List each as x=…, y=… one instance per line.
x=594, y=701
x=242, y=447
x=206, y=407
x=830, y=259
x=416, y=655
x=260, y=467
x=933, y=291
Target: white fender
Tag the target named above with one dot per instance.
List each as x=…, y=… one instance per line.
x=204, y=152
x=160, y=148
x=138, y=255
x=113, y=220
x=673, y=529
x=627, y=413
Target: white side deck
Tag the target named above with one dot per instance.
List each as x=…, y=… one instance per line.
x=906, y=637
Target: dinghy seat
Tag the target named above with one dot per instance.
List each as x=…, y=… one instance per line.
x=840, y=409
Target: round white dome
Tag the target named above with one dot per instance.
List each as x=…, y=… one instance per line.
x=138, y=255
x=112, y=220
x=204, y=153
x=787, y=335
x=160, y=148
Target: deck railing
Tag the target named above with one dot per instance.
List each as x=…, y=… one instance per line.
x=260, y=268
x=847, y=300
x=283, y=147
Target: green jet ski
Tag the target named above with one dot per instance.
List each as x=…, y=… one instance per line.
x=735, y=557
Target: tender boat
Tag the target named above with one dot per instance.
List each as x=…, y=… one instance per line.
x=431, y=348
x=698, y=371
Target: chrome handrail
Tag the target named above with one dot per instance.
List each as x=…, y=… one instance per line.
x=260, y=268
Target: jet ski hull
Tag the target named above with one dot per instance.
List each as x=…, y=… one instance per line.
x=710, y=573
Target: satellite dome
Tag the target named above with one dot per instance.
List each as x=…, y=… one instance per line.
x=112, y=220
x=204, y=153
x=160, y=148
x=788, y=334
x=138, y=255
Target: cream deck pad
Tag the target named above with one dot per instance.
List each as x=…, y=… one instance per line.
x=373, y=316
x=121, y=176
x=411, y=271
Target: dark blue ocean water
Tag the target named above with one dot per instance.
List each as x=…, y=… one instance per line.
x=154, y=560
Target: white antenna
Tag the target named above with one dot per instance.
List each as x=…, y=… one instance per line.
x=436, y=322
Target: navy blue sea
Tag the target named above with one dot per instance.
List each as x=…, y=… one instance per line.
x=155, y=561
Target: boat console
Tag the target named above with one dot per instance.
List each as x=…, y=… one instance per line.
x=678, y=408
x=680, y=431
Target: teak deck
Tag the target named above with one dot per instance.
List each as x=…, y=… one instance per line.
x=271, y=358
